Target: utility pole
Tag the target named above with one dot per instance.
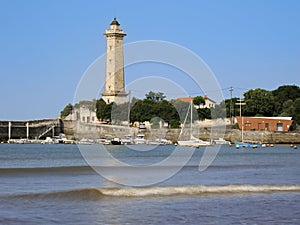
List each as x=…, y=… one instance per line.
x=230, y=107
x=129, y=101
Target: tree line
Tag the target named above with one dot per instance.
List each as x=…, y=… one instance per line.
x=284, y=101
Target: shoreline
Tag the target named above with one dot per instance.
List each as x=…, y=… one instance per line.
x=53, y=127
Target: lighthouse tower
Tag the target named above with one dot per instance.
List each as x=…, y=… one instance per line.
x=114, y=90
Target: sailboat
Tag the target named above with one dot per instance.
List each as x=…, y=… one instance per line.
x=193, y=141
x=245, y=143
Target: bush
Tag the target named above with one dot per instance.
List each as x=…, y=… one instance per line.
x=235, y=126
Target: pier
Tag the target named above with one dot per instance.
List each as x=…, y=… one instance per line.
x=30, y=129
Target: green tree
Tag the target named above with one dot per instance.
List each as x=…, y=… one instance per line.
x=219, y=111
x=91, y=105
x=181, y=108
x=199, y=100
x=258, y=102
x=288, y=108
x=296, y=116
x=283, y=94
x=119, y=113
x=103, y=110
x=147, y=109
x=66, y=111
x=204, y=113
x=159, y=96
x=292, y=108
x=100, y=109
x=235, y=109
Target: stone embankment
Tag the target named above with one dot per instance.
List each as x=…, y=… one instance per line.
x=97, y=131
x=75, y=130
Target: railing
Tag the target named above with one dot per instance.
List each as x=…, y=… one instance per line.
x=47, y=130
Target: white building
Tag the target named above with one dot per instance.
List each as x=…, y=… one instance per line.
x=209, y=103
x=83, y=115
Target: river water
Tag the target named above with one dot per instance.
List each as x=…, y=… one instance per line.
x=53, y=184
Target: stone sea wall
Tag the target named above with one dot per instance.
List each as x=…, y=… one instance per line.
x=97, y=131
x=84, y=130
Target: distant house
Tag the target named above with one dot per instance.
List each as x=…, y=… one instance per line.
x=209, y=103
x=83, y=115
x=265, y=123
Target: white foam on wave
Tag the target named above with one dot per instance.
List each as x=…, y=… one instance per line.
x=196, y=190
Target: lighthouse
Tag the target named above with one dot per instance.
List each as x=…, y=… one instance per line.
x=114, y=89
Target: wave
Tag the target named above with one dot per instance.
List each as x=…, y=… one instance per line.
x=87, y=167
x=43, y=169
x=195, y=190
x=98, y=193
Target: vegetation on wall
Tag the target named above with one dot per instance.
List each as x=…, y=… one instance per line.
x=66, y=111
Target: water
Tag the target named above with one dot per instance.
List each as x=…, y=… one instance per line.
x=53, y=184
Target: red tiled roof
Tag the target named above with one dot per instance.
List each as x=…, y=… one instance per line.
x=186, y=99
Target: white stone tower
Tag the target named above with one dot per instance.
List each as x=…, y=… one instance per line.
x=114, y=90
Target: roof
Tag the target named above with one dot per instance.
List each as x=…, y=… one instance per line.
x=185, y=99
x=189, y=99
x=270, y=118
x=277, y=118
x=115, y=22
x=205, y=97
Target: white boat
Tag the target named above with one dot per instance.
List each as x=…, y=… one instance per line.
x=48, y=140
x=193, y=141
x=245, y=143
x=127, y=140
x=116, y=141
x=221, y=141
x=140, y=139
x=86, y=141
x=103, y=141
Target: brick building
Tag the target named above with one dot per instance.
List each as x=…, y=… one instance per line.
x=265, y=123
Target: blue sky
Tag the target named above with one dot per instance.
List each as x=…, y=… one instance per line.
x=46, y=46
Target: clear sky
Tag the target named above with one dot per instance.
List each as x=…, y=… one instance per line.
x=47, y=45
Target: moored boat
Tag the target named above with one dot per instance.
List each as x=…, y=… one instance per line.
x=116, y=141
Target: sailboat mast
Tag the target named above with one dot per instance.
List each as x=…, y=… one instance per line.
x=240, y=103
x=191, y=128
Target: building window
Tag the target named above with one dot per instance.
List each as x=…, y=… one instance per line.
x=83, y=119
x=279, y=127
x=267, y=126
